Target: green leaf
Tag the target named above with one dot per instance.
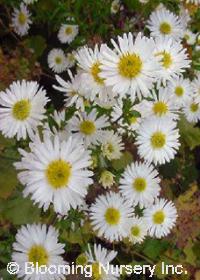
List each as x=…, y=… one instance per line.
x=153, y=248
x=190, y=255
x=8, y=178
x=189, y=134
x=19, y=210
x=121, y=163
x=37, y=43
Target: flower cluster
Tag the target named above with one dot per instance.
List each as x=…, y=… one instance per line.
x=132, y=90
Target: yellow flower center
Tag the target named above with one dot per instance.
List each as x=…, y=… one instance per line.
x=97, y=273
x=194, y=107
x=21, y=109
x=68, y=30
x=112, y=216
x=130, y=66
x=179, y=91
x=158, y=140
x=87, y=127
x=22, y=18
x=58, y=60
x=166, y=59
x=160, y=108
x=158, y=217
x=95, y=70
x=139, y=184
x=38, y=254
x=165, y=28
x=58, y=173
x=135, y=231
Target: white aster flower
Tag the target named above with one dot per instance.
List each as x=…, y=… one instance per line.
x=112, y=145
x=131, y=67
x=110, y=216
x=115, y=6
x=162, y=105
x=67, y=33
x=191, y=110
x=55, y=172
x=138, y=230
x=21, y=20
x=90, y=63
x=180, y=89
x=196, y=88
x=157, y=140
x=38, y=244
x=22, y=109
x=173, y=58
x=74, y=94
x=107, y=179
x=164, y=24
x=100, y=256
x=57, y=60
x=190, y=37
x=160, y=218
x=88, y=127
x=140, y=184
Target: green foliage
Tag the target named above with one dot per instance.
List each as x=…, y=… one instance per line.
x=189, y=134
x=19, y=210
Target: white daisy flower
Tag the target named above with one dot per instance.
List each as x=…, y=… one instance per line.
x=57, y=60
x=22, y=109
x=90, y=62
x=196, y=88
x=157, y=140
x=138, y=230
x=110, y=216
x=112, y=145
x=55, y=172
x=67, y=33
x=180, y=89
x=190, y=37
x=21, y=20
x=74, y=95
x=107, y=179
x=115, y=6
x=160, y=218
x=162, y=105
x=100, y=256
x=131, y=67
x=37, y=244
x=173, y=58
x=88, y=127
x=191, y=110
x=140, y=184
x=165, y=24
